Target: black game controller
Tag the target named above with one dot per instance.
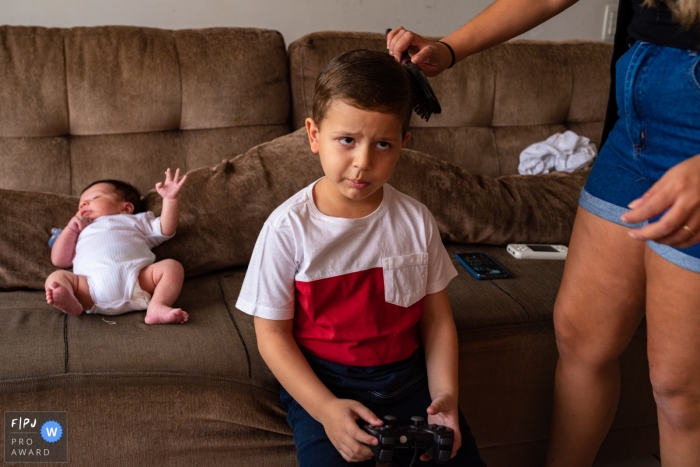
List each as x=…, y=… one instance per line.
x=436, y=440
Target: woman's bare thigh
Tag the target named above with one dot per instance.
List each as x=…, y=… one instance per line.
x=601, y=299
x=673, y=326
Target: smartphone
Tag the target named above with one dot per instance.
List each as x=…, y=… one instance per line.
x=482, y=266
x=524, y=251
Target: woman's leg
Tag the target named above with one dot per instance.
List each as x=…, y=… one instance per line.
x=599, y=306
x=673, y=330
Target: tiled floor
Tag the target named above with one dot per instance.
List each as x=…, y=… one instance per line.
x=650, y=461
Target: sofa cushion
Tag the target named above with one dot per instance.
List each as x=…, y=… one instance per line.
x=210, y=344
x=473, y=208
x=176, y=422
x=33, y=77
x=527, y=296
x=26, y=219
x=26, y=318
x=81, y=104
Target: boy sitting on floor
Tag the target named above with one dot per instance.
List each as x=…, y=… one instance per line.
x=347, y=281
x=108, y=242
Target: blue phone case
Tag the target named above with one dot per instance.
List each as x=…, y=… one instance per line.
x=479, y=276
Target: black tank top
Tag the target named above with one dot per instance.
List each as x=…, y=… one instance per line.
x=656, y=25
x=650, y=25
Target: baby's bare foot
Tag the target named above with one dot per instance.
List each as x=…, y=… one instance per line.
x=158, y=313
x=63, y=299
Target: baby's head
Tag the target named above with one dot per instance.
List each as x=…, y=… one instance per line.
x=362, y=107
x=107, y=198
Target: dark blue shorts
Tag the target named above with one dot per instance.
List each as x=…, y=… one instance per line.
x=408, y=397
x=658, y=97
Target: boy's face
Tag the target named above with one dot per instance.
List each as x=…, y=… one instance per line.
x=358, y=150
x=100, y=200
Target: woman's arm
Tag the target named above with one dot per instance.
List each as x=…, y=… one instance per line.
x=284, y=358
x=439, y=338
x=499, y=22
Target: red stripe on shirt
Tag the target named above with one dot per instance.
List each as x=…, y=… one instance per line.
x=346, y=320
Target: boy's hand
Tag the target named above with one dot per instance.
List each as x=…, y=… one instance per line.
x=78, y=223
x=171, y=188
x=444, y=411
x=341, y=428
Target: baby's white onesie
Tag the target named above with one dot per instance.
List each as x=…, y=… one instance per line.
x=111, y=252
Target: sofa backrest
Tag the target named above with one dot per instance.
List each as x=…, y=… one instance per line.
x=494, y=104
x=81, y=104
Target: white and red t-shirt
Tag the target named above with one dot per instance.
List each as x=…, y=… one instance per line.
x=354, y=287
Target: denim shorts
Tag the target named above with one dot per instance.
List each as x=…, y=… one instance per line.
x=658, y=97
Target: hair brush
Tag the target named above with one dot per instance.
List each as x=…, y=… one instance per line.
x=425, y=102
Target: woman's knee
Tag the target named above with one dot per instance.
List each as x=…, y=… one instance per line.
x=677, y=395
x=580, y=341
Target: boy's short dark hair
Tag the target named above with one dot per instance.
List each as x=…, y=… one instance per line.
x=367, y=80
x=127, y=191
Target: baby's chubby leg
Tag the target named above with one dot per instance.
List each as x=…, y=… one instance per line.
x=68, y=292
x=163, y=280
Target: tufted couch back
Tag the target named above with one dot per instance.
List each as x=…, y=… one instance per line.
x=82, y=104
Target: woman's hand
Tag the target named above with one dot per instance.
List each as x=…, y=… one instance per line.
x=431, y=57
x=677, y=193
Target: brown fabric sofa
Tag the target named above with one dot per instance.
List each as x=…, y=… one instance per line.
x=123, y=102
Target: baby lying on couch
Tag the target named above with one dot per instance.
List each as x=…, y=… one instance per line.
x=108, y=242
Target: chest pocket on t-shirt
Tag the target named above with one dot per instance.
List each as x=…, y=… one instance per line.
x=405, y=278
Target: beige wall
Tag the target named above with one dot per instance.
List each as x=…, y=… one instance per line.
x=293, y=18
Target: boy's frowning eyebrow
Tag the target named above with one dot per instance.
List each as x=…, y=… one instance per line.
x=350, y=134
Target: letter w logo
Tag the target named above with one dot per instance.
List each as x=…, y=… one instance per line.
x=52, y=432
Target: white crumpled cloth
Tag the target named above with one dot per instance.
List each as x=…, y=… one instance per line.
x=562, y=151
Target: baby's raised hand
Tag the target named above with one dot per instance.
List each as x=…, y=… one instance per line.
x=78, y=223
x=172, y=186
